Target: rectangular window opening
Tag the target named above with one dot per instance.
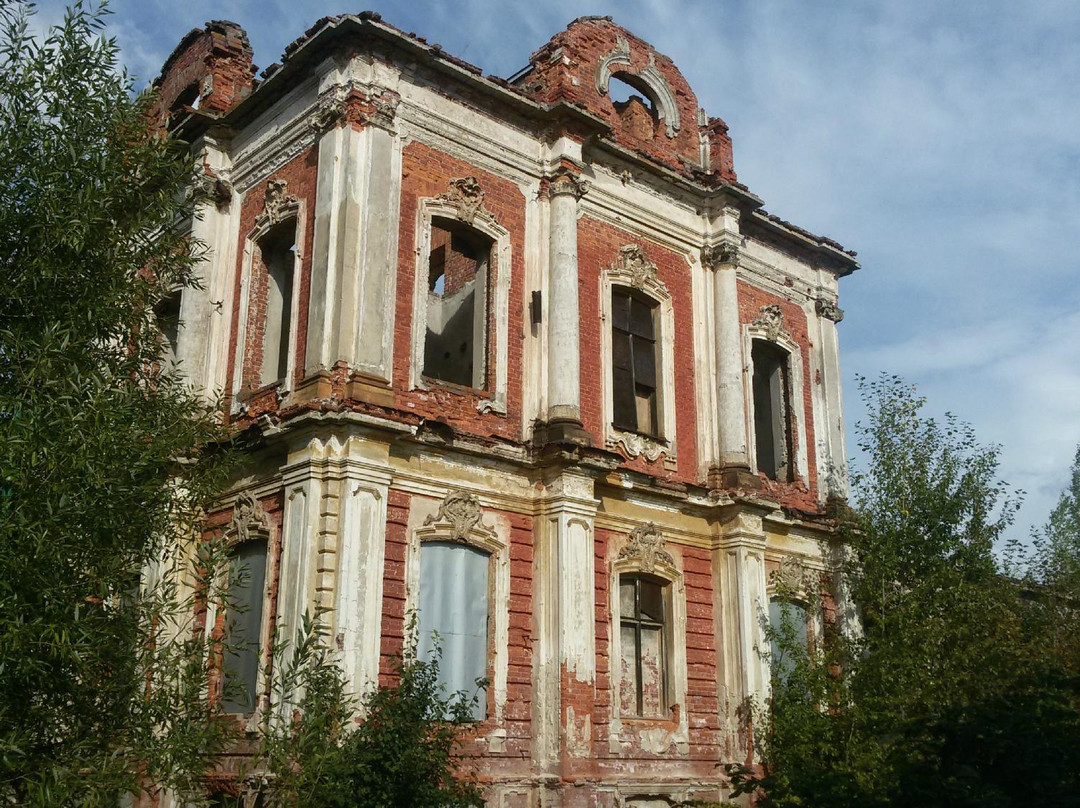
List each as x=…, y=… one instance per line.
x=167, y=317
x=643, y=627
x=278, y=251
x=455, y=341
x=243, y=626
x=634, y=363
x=772, y=419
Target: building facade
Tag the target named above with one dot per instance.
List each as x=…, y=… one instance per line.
x=524, y=358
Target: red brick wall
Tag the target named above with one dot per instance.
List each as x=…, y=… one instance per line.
x=426, y=173
x=801, y=493
x=598, y=248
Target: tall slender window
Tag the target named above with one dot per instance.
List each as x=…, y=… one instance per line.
x=633, y=362
x=278, y=250
x=772, y=418
x=167, y=315
x=243, y=626
x=455, y=343
x=788, y=621
x=454, y=614
x=643, y=620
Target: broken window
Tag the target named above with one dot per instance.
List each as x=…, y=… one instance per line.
x=455, y=344
x=772, y=417
x=633, y=362
x=454, y=616
x=278, y=251
x=243, y=626
x=643, y=622
x=167, y=316
x=789, y=636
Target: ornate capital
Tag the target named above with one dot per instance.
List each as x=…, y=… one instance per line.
x=330, y=110
x=566, y=183
x=249, y=519
x=718, y=256
x=460, y=511
x=468, y=196
x=646, y=546
x=828, y=309
x=771, y=321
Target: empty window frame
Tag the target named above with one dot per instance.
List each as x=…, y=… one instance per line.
x=788, y=635
x=278, y=254
x=644, y=627
x=454, y=616
x=634, y=385
x=773, y=443
x=455, y=341
x=243, y=626
x=167, y=317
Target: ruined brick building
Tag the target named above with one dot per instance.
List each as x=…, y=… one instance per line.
x=524, y=356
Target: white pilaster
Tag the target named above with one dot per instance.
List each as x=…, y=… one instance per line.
x=564, y=344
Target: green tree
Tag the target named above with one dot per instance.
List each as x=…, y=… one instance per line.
x=953, y=693
x=401, y=749
x=102, y=465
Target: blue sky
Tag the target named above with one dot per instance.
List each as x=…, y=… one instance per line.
x=939, y=139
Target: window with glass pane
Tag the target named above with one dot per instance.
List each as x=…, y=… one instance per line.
x=643, y=609
x=243, y=626
x=788, y=621
x=633, y=362
x=454, y=614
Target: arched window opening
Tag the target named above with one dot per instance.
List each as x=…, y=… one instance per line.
x=278, y=251
x=634, y=105
x=634, y=381
x=455, y=342
x=188, y=98
x=453, y=614
x=243, y=626
x=644, y=625
x=772, y=410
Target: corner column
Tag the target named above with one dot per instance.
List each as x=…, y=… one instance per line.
x=563, y=323
x=732, y=461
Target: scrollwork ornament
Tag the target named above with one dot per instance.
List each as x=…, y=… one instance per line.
x=461, y=511
x=468, y=196
x=277, y=202
x=717, y=256
x=249, y=519
x=646, y=546
x=793, y=578
x=635, y=445
x=771, y=321
x=330, y=111
x=633, y=261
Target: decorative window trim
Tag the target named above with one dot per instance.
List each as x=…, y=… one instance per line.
x=796, y=582
x=658, y=92
x=464, y=203
x=251, y=522
x=644, y=554
x=770, y=327
x=633, y=270
x=460, y=519
x=279, y=207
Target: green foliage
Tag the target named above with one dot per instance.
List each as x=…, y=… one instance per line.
x=402, y=753
x=955, y=691
x=100, y=459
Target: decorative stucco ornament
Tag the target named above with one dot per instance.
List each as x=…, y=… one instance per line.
x=771, y=321
x=636, y=445
x=633, y=261
x=249, y=519
x=460, y=510
x=793, y=578
x=646, y=546
x=277, y=202
x=466, y=193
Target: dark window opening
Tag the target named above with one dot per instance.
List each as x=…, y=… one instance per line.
x=772, y=416
x=188, y=98
x=633, y=363
x=278, y=251
x=167, y=316
x=243, y=626
x=455, y=343
x=643, y=622
x=454, y=614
